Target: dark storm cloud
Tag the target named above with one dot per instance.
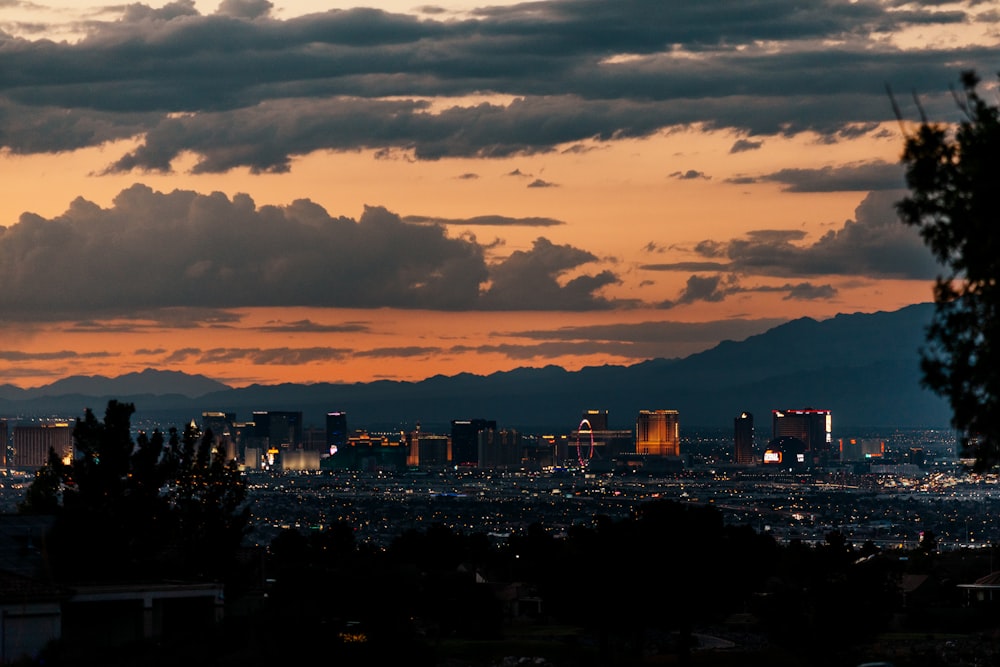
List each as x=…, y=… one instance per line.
x=874, y=244
x=240, y=88
x=859, y=177
x=485, y=221
x=181, y=258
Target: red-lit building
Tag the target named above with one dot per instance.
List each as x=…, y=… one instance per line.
x=813, y=427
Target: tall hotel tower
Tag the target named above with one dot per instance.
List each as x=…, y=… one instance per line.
x=336, y=431
x=465, y=439
x=657, y=432
x=743, y=439
x=813, y=427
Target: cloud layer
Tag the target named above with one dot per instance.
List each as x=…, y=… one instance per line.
x=184, y=250
x=874, y=245
x=242, y=89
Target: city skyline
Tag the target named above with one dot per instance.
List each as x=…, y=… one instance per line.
x=262, y=193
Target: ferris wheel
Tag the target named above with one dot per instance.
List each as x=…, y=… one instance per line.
x=584, y=452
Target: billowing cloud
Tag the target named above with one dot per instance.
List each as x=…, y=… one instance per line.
x=875, y=244
x=529, y=280
x=703, y=288
x=241, y=88
x=196, y=255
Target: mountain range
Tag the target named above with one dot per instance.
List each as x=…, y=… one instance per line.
x=862, y=367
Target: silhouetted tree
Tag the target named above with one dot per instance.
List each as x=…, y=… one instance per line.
x=148, y=507
x=45, y=492
x=206, y=494
x=954, y=180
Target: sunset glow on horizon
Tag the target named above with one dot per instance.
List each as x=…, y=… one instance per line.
x=277, y=192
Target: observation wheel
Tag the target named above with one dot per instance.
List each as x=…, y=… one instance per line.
x=583, y=452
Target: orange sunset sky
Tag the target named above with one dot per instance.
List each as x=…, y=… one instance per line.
x=323, y=192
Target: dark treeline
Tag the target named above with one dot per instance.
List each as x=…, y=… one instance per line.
x=635, y=588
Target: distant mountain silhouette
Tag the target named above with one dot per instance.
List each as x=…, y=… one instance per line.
x=863, y=367
x=149, y=381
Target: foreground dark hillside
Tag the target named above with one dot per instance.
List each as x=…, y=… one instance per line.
x=671, y=584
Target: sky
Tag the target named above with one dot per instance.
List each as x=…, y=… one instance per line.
x=267, y=192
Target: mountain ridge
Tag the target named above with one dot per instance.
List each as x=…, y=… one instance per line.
x=862, y=366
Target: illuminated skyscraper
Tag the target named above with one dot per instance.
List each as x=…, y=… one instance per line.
x=743, y=439
x=813, y=427
x=4, y=442
x=336, y=431
x=657, y=432
x=598, y=419
x=860, y=449
x=499, y=449
x=465, y=439
x=33, y=442
x=427, y=450
x=221, y=426
x=283, y=429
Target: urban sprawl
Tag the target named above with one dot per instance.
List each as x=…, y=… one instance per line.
x=887, y=487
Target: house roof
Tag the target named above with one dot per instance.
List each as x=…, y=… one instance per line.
x=990, y=581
